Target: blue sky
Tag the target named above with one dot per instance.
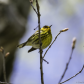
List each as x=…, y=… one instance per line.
x=61, y=14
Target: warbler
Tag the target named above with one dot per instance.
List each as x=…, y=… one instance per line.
x=46, y=38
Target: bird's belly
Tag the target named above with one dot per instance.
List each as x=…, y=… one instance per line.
x=45, y=42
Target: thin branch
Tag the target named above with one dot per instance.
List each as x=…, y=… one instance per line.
x=41, y=60
x=66, y=67
x=35, y=28
x=4, y=83
x=38, y=14
x=34, y=8
x=73, y=46
x=4, y=69
x=73, y=76
x=51, y=44
x=55, y=39
x=45, y=61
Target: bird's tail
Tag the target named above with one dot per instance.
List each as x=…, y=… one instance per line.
x=32, y=49
x=21, y=45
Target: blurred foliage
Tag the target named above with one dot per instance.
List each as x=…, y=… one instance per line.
x=13, y=19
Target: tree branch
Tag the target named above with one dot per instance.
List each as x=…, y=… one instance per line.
x=38, y=15
x=66, y=67
x=41, y=60
x=4, y=69
x=54, y=40
x=73, y=46
x=73, y=76
x=33, y=7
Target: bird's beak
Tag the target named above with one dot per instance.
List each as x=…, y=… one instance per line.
x=50, y=25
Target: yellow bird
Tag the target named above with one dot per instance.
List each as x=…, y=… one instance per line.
x=46, y=38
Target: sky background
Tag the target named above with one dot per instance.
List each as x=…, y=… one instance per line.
x=60, y=14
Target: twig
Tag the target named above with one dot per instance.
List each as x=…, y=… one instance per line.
x=31, y=1
x=73, y=76
x=66, y=67
x=73, y=46
x=4, y=83
x=41, y=60
x=45, y=61
x=54, y=40
x=4, y=71
x=34, y=8
x=35, y=28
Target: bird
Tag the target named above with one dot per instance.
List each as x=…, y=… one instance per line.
x=46, y=38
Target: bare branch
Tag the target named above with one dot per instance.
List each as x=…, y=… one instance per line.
x=38, y=14
x=4, y=83
x=66, y=67
x=73, y=76
x=45, y=61
x=55, y=39
x=4, y=70
x=41, y=60
x=34, y=8
x=73, y=46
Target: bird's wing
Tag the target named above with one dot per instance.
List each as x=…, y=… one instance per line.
x=35, y=37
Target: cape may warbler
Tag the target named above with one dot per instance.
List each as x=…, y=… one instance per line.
x=46, y=38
